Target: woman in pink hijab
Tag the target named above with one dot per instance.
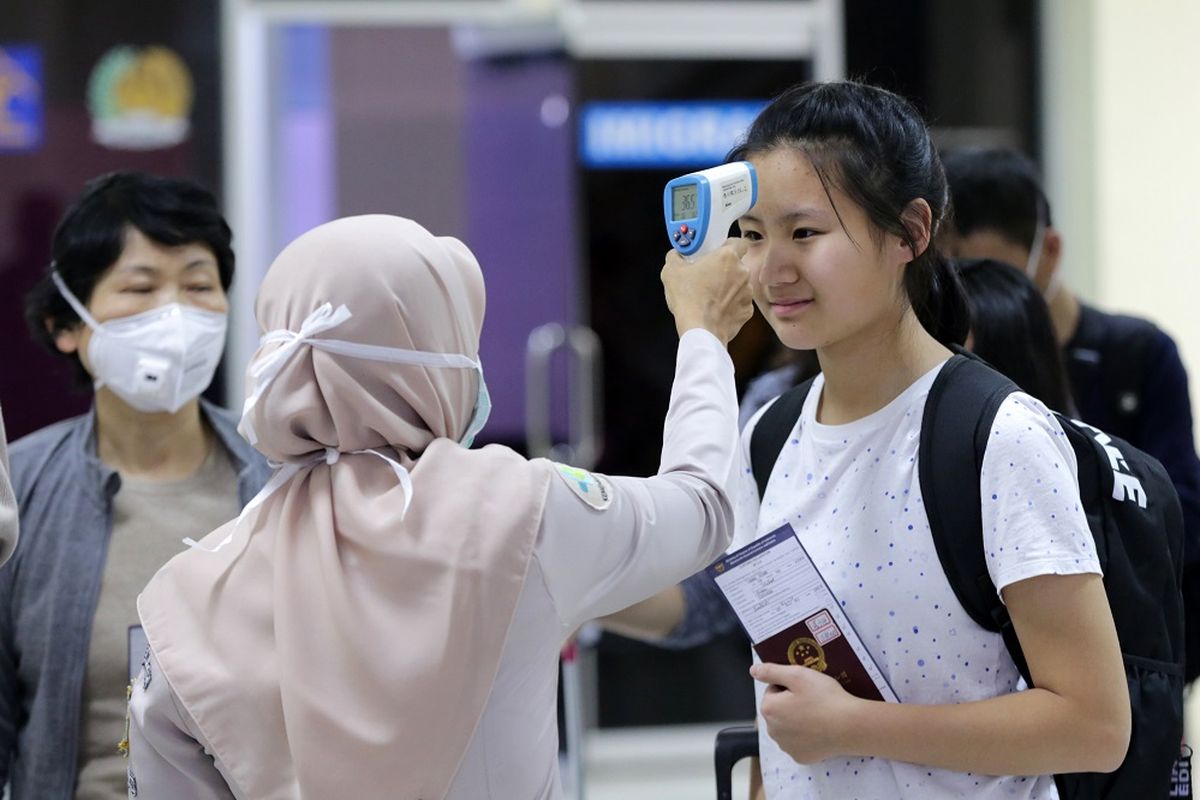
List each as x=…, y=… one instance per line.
x=384, y=619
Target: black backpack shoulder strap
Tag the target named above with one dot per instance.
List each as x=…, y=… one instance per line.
x=957, y=422
x=772, y=430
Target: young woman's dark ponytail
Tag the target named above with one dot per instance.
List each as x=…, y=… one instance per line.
x=938, y=298
x=874, y=147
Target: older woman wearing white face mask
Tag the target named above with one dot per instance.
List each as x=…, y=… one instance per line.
x=136, y=299
x=384, y=620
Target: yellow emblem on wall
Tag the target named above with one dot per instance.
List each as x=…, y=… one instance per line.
x=140, y=98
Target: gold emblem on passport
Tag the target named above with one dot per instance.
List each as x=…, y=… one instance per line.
x=807, y=653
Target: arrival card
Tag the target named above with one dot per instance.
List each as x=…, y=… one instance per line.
x=791, y=615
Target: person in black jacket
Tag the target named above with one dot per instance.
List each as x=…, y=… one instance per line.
x=1126, y=374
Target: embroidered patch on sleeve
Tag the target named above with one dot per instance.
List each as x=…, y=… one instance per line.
x=589, y=487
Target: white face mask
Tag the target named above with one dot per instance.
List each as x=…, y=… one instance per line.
x=1035, y=255
x=157, y=360
x=264, y=370
x=1035, y=251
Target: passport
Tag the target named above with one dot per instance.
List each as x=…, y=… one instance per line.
x=818, y=643
x=792, y=617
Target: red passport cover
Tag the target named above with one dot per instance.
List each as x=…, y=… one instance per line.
x=818, y=643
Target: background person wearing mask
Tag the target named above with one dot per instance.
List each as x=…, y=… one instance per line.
x=136, y=296
x=1125, y=373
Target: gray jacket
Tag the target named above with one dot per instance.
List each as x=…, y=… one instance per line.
x=49, y=590
x=8, y=503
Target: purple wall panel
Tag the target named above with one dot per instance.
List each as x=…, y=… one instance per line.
x=398, y=102
x=393, y=121
x=305, y=147
x=520, y=201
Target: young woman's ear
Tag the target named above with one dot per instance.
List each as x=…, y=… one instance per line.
x=917, y=219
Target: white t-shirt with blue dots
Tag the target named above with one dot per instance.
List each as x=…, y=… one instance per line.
x=853, y=495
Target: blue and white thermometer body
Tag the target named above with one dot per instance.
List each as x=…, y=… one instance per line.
x=701, y=206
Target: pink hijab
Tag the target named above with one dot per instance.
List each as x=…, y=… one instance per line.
x=342, y=645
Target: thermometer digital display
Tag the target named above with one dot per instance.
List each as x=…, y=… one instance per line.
x=701, y=206
x=683, y=202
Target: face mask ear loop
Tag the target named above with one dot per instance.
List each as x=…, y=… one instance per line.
x=73, y=301
x=1035, y=254
x=79, y=309
x=1038, y=244
x=395, y=355
x=421, y=358
x=1035, y=251
x=266, y=367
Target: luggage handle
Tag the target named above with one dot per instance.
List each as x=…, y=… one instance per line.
x=733, y=744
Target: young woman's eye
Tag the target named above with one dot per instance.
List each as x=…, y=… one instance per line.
x=803, y=233
x=751, y=236
x=200, y=288
x=137, y=290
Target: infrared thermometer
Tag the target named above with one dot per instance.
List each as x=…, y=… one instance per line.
x=701, y=206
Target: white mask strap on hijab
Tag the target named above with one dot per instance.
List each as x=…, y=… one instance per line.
x=325, y=318
x=285, y=472
x=264, y=370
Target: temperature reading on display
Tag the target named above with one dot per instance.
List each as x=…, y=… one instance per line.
x=683, y=202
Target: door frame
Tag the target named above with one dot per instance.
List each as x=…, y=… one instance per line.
x=751, y=29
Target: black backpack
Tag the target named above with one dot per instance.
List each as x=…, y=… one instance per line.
x=1138, y=531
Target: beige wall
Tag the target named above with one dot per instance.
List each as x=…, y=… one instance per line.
x=1122, y=113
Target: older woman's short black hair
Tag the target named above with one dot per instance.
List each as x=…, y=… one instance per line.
x=91, y=235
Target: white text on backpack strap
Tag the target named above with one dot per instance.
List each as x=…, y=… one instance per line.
x=1125, y=486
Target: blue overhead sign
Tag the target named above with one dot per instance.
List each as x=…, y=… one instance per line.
x=662, y=135
x=20, y=98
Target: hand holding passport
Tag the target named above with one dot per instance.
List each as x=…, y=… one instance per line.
x=791, y=615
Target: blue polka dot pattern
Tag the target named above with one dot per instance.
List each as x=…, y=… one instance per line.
x=862, y=519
